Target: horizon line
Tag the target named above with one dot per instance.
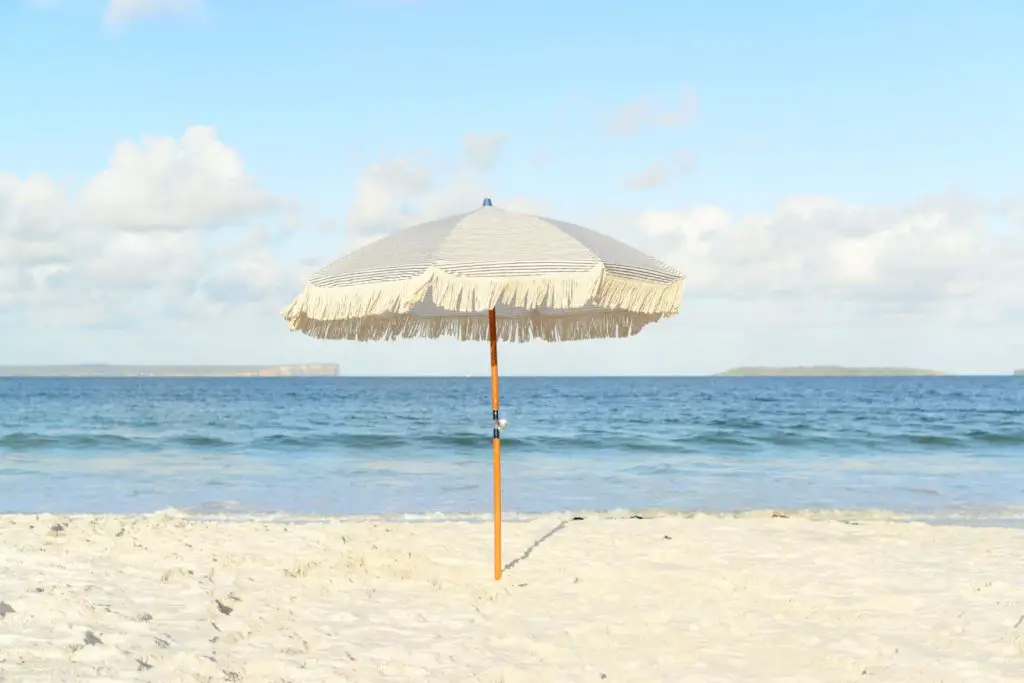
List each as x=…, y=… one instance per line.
x=333, y=369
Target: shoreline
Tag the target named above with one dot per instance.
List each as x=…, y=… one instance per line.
x=1004, y=515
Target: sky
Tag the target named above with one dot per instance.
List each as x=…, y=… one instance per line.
x=841, y=183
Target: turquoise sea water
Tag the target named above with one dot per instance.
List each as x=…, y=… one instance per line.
x=422, y=445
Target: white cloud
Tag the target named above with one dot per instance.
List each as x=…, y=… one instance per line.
x=655, y=175
x=167, y=184
x=937, y=255
x=1012, y=208
x=639, y=115
x=482, y=149
x=662, y=172
x=388, y=193
x=120, y=12
x=401, y=192
x=30, y=220
x=163, y=224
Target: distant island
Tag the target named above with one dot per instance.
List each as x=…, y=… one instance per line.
x=827, y=371
x=1018, y=372
x=306, y=370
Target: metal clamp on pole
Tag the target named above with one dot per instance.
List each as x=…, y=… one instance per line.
x=499, y=424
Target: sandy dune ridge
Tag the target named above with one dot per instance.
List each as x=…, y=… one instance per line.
x=705, y=598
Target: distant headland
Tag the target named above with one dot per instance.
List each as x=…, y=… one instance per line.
x=305, y=370
x=827, y=371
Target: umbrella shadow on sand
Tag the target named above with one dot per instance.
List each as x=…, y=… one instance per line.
x=540, y=541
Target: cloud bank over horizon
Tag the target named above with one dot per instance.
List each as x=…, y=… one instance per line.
x=200, y=186
x=177, y=230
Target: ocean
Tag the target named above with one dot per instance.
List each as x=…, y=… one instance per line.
x=946, y=446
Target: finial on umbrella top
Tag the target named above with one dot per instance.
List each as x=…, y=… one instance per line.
x=487, y=201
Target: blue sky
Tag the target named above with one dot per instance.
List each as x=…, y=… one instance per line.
x=892, y=127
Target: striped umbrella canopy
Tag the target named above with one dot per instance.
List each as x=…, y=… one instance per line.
x=488, y=274
x=544, y=279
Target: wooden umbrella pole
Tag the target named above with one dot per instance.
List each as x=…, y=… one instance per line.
x=492, y=333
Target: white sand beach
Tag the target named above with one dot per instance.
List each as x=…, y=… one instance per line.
x=161, y=598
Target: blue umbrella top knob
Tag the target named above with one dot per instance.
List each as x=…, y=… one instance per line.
x=487, y=201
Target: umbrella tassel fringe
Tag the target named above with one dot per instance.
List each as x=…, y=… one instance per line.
x=598, y=304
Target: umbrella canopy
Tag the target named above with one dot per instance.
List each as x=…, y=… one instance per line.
x=544, y=279
x=488, y=274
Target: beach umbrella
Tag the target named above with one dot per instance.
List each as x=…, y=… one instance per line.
x=488, y=274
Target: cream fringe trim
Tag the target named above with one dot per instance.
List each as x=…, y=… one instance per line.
x=381, y=310
x=596, y=325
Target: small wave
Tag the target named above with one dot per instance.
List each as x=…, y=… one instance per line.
x=459, y=439
x=961, y=441
x=794, y=439
x=31, y=441
x=718, y=438
x=199, y=441
x=658, y=470
x=736, y=423
x=1000, y=438
x=365, y=442
x=933, y=440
